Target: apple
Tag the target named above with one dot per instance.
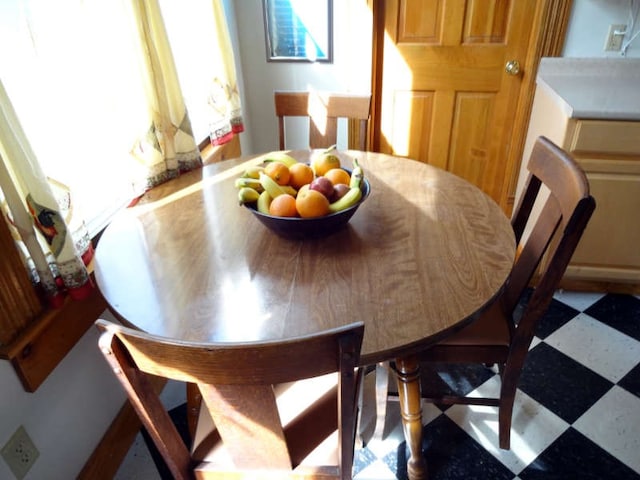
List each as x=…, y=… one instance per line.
x=339, y=191
x=322, y=185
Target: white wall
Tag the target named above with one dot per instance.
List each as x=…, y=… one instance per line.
x=589, y=27
x=349, y=72
x=67, y=416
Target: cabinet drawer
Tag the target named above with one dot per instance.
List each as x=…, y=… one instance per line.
x=617, y=166
x=607, y=137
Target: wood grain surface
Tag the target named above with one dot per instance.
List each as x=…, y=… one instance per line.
x=422, y=254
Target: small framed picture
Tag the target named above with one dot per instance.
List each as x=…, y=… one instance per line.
x=298, y=30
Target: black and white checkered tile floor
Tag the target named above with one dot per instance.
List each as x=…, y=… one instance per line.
x=576, y=416
x=577, y=411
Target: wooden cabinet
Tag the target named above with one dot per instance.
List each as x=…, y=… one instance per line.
x=19, y=303
x=608, y=256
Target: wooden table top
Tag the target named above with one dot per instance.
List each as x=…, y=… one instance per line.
x=424, y=252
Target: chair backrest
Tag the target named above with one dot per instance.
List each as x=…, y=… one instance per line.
x=236, y=384
x=553, y=234
x=323, y=110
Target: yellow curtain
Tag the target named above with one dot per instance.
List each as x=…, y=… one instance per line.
x=224, y=99
x=167, y=147
x=29, y=201
x=100, y=108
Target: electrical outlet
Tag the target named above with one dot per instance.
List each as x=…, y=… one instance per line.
x=20, y=453
x=614, y=38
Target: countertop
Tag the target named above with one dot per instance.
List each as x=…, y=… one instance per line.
x=596, y=88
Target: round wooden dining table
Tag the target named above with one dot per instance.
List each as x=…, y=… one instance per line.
x=419, y=259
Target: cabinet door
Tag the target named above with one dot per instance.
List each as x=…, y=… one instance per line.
x=609, y=250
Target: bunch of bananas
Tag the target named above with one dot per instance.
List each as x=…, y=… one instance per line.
x=256, y=185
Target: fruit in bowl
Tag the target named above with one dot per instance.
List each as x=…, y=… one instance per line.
x=324, y=161
x=339, y=191
x=322, y=185
x=308, y=204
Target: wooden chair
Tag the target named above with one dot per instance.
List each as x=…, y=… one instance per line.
x=496, y=336
x=323, y=110
x=252, y=393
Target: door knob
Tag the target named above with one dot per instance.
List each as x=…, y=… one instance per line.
x=512, y=67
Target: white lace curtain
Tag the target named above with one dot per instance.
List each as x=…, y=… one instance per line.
x=149, y=137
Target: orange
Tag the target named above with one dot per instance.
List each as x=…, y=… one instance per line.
x=279, y=172
x=301, y=174
x=311, y=203
x=338, y=175
x=303, y=188
x=325, y=162
x=283, y=206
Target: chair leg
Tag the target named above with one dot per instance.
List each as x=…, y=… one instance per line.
x=504, y=424
x=382, y=390
x=359, y=433
x=508, y=389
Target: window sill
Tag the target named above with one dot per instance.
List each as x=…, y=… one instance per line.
x=212, y=154
x=41, y=347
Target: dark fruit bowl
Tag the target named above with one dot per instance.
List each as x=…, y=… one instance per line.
x=294, y=227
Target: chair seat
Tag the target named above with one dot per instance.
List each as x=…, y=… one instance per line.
x=319, y=463
x=491, y=329
x=328, y=473
x=294, y=399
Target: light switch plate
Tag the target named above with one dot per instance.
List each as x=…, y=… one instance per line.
x=614, y=38
x=20, y=453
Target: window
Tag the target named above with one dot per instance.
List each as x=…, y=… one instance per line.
x=71, y=77
x=298, y=30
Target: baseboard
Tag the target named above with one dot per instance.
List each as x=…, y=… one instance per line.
x=107, y=457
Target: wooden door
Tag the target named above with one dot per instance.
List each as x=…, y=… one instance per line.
x=445, y=97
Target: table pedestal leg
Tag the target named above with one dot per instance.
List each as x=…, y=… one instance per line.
x=408, y=375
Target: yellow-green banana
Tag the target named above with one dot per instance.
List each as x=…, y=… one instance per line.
x=270, y=185
x=349, y=199
x=253, y=172
x=264, y=200
x=247, y=195
x=356, y=175
x=281, y=157
x=250, y=183
x=289, y=189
